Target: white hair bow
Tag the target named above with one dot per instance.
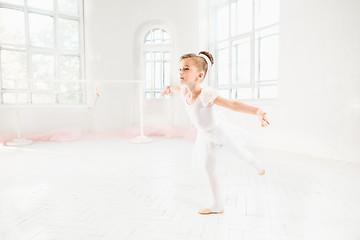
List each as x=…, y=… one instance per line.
x=207, y=60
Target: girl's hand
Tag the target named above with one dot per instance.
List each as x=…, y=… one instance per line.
x=166, y=91
x=261, y=116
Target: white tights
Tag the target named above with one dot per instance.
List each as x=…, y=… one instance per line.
x=209, y=154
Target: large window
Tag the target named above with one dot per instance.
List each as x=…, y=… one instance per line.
x=41, y=52
x=156, y=58
x=245, y=36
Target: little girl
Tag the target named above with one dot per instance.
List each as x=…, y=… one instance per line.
x=213, y=133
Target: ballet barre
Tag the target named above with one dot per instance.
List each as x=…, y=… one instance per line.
x=23, y=141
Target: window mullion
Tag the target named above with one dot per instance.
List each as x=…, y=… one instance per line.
x=153, y=75
x=67, y=16
x=229, y=47
x=28, y=50
x=1, y=87
x=57, y=53
x=12, y=6
x=162, y=73
x=40, y=11
x=84, y=85
x=252, y=52
x=267, y=26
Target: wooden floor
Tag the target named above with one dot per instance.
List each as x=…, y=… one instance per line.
x=113, y=189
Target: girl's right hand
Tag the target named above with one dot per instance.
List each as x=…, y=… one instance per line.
x=261, y=116
x=166, y=91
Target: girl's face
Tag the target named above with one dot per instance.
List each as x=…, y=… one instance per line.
x=189, y=72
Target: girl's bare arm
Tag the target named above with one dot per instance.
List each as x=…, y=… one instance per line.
x=242, y=107
x=235, y=106
x=168, y=89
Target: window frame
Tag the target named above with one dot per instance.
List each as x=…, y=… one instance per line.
x=55, y=51
x=213, y=43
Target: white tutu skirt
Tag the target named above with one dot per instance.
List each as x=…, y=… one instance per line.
x=225, y=136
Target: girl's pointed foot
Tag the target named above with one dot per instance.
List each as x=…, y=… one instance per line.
x=208, y=211
x=262, y=173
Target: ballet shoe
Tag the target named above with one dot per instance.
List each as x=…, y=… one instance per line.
x=262, y=173
x=208, y=211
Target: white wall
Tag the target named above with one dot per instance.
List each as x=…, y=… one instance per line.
x=318, y=109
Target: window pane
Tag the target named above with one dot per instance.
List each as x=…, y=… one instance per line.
x=148, y=38
x=41, y=30
x=241, y=17
x=43, y=68
x=69, y=87
x=149, y=95
x=268, y=57
x=224, y=93
x=12, y=26
x=158, y=75
x=158, y=55
x=222, y=23
x=69, y=70
x=13, y=64
x=43, y=98
x=166, y=37
x=223, y=67
x=157, y=36
x=149, y=55
x=70, y=98
x=268, y=92
x=256, y=92
x=10, y=98
x=11, y=84
x=42, y=4
x=266, y=12
x=241, y=70
x=157, y=95
x=69, y=67
x=13, y=67
x=69, y=6
x=148, y=74
x=69, y=34
x=166, y=73
x=241, y=93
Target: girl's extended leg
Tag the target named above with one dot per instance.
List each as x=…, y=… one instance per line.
x=242, y=152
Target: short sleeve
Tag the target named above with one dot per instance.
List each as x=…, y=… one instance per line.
x=208, y=96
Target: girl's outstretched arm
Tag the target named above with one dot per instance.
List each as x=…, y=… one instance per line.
x=242, y=107
x=168, y=89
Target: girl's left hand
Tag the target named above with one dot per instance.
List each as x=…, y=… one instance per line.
x=166, y=91
x=261, y=116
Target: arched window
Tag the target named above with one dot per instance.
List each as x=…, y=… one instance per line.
x=156, y=53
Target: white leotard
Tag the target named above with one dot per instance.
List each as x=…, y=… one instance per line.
x=201, y=113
